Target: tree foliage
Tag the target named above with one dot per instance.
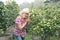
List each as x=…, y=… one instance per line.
x=45, y=21
x=8, y=13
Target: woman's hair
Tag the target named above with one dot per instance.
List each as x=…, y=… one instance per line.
x=25, y=10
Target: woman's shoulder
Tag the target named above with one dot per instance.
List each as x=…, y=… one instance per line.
x=18, y=18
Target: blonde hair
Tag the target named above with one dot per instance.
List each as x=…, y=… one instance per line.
x=25, y=10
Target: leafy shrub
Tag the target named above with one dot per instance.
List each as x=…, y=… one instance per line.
x=45, y=21
x=8, y=13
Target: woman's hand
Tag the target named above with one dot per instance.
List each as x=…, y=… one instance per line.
x=21, y=26
x=28, y=19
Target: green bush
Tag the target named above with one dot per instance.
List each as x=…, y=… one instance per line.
x=45, y=21
x=8, y=13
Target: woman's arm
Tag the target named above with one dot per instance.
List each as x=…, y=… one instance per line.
x=21, y=26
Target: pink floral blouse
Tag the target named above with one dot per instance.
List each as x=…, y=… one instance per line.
x=17, y=31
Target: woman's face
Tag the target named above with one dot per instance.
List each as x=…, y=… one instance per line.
x=25, y=15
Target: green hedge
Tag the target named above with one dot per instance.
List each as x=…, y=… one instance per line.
x=8, y=13
x=46, y=20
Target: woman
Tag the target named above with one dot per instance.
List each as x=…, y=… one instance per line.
x=20, y=24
